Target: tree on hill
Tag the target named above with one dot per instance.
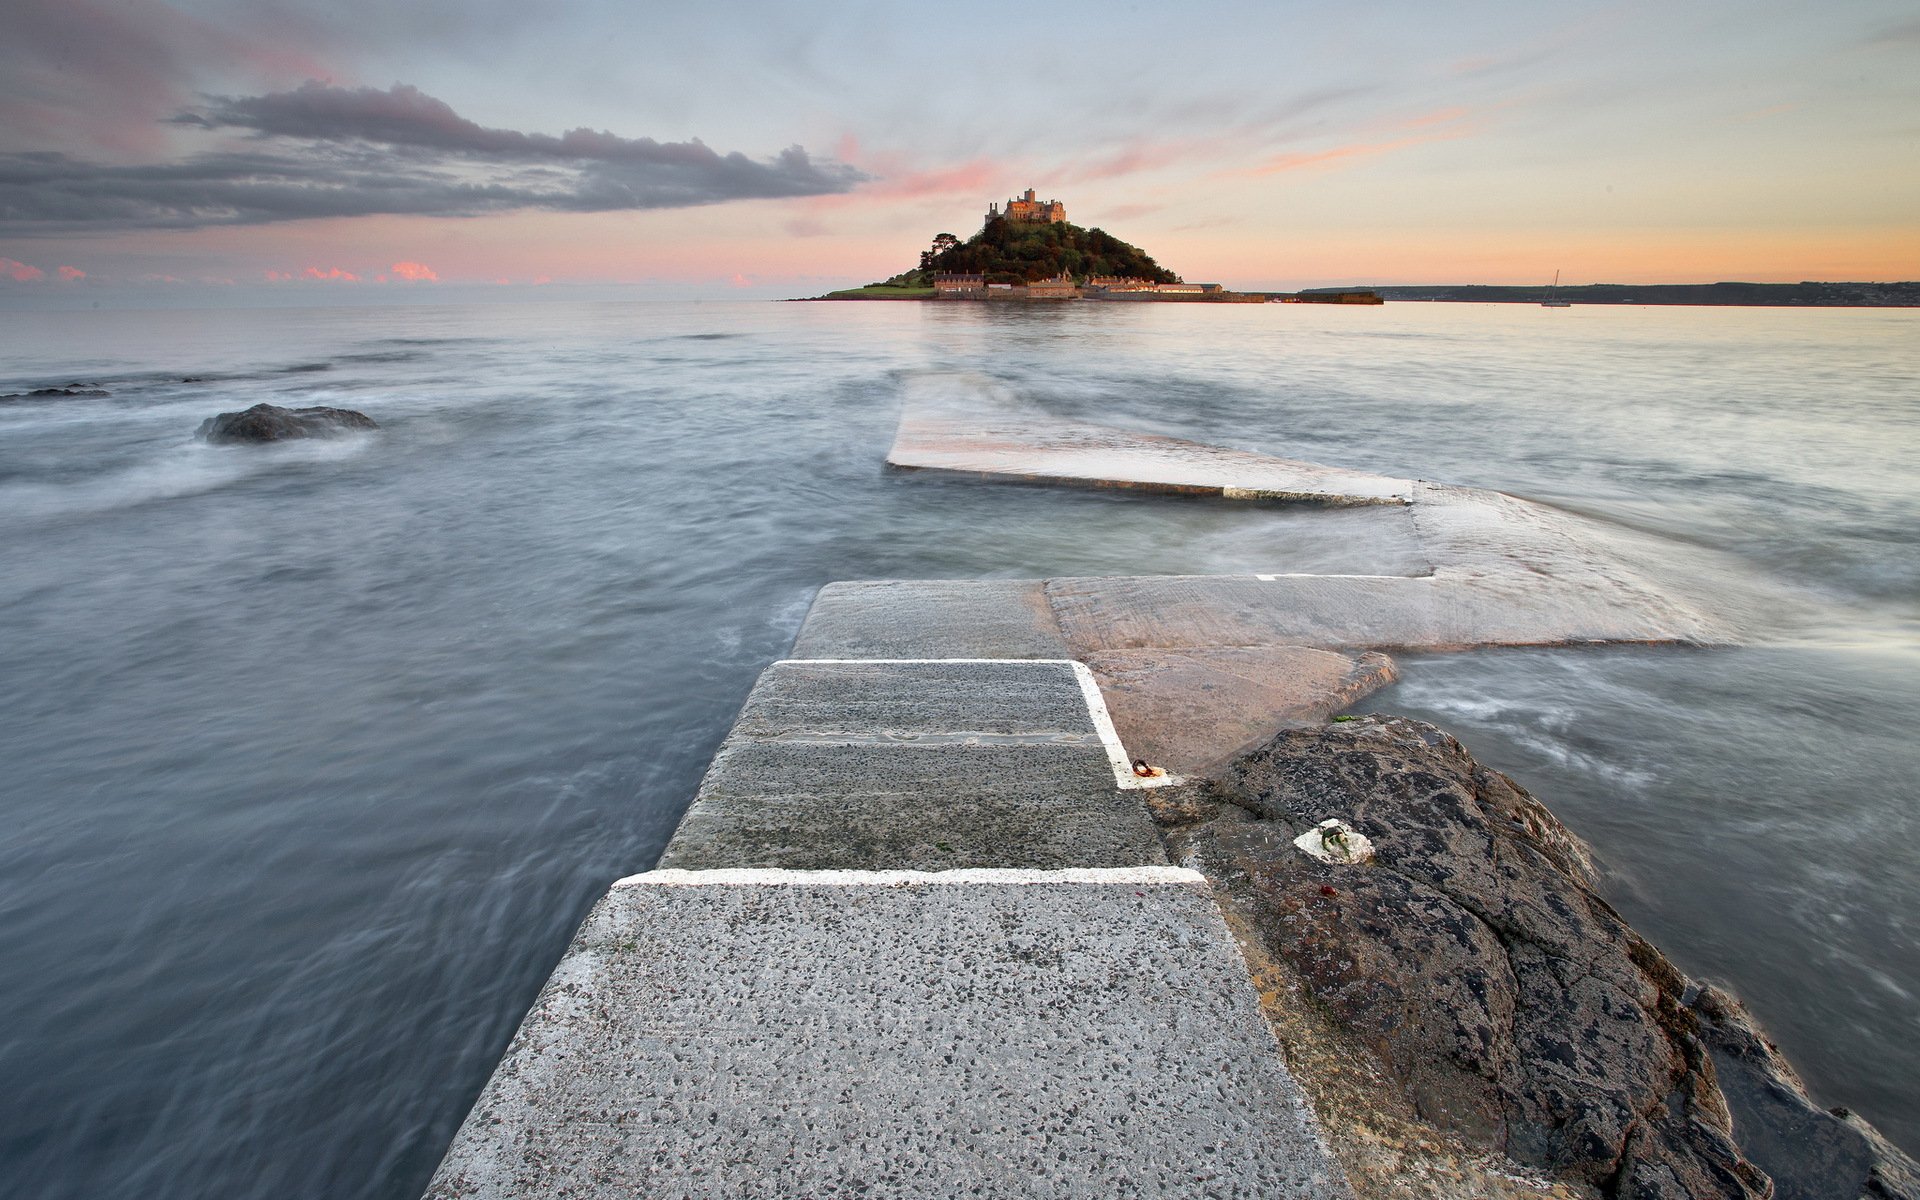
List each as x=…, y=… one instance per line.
x=1020, y=252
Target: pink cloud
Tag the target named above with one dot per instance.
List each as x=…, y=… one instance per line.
x=1441, y=125
x=331, y=273
x=414, y=272
x=71, y=274
x=740, y=281
x=542, y=280
x=895, y=179
x=20, y=272
x=278, y=276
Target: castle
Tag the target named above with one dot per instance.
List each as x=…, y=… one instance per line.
x=1029, y=210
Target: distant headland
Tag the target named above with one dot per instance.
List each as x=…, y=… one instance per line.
x=1029, y=252
x=1784, y=295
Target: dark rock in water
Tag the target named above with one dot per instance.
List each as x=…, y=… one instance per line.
x=1514, y=1010
x=271, y=423
x=1811, y=1153
x=77, y=390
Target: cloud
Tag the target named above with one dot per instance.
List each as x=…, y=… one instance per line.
x=104, y=72
x=322, y=151
x=20, y=272
x=414, y=272
x=71, y=274
x=1440, y=125
x=332, y=274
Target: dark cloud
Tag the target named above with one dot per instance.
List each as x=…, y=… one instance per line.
x=322, y=151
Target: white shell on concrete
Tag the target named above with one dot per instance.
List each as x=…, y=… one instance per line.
x=1090, y=1035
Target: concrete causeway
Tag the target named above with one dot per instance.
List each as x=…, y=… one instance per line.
x=928, y=765
x=915, y=937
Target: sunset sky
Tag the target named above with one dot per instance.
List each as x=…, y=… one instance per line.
x=363, y=148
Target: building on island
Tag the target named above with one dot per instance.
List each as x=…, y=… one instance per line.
x=1060, y=287
x=1119, y=283
x=948, y=283
x=1029, y=210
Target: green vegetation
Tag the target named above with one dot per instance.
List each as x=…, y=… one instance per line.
x=1018, y=252
x=885, y=291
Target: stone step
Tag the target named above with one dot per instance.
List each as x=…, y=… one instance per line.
x=995, y=1033
x=926, y=765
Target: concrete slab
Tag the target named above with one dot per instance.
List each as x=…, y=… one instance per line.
x=923, y=765
x=931, y=618
x=902, y=700
x=1037, y=449
x=1503, y=570
x=1343, y=612
x=994, y=1034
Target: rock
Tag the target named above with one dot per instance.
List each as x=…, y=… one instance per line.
x=1512, y=1008
x=1811, y=1153
x=1193, y=710
x=271, y=423
x=65, y=393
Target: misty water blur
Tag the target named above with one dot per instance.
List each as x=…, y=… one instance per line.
x=315, y=754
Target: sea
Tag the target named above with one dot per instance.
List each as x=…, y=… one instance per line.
x=312, y=756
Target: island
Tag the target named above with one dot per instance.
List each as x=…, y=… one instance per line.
x=1029, y=252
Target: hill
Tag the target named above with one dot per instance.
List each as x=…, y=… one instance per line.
x=1022, y=251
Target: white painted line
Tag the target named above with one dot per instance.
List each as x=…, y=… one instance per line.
x=1117, y=758
x=1123, y=775
x=1005, y=876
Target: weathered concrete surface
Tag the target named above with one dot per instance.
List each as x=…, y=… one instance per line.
x=1503, y=571
x=1190, y=711
x=1347, y=612
x=923, y=765
x=1471, y=959
x=931, y=618
x=977, y=1034
x=1040, y=450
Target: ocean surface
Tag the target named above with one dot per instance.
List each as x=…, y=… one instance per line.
x=313, y=756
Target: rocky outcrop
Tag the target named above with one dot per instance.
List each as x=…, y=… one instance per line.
x=74, y=392
x=1812, y=1153
x=271, y=423
x=1470, y=969
x=1191, y=711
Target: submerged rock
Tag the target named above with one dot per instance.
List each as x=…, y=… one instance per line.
x=1472, y=968
x=271, y=423
x=76, y=391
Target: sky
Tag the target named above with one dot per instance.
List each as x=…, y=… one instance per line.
x=368, y=150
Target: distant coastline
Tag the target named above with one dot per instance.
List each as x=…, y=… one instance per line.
x=1775, y=295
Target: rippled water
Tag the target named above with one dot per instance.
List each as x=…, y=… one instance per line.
x=314, y=755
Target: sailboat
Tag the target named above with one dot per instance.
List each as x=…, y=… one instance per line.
x=1550, y=301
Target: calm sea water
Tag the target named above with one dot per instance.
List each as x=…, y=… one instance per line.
x=314, y=756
